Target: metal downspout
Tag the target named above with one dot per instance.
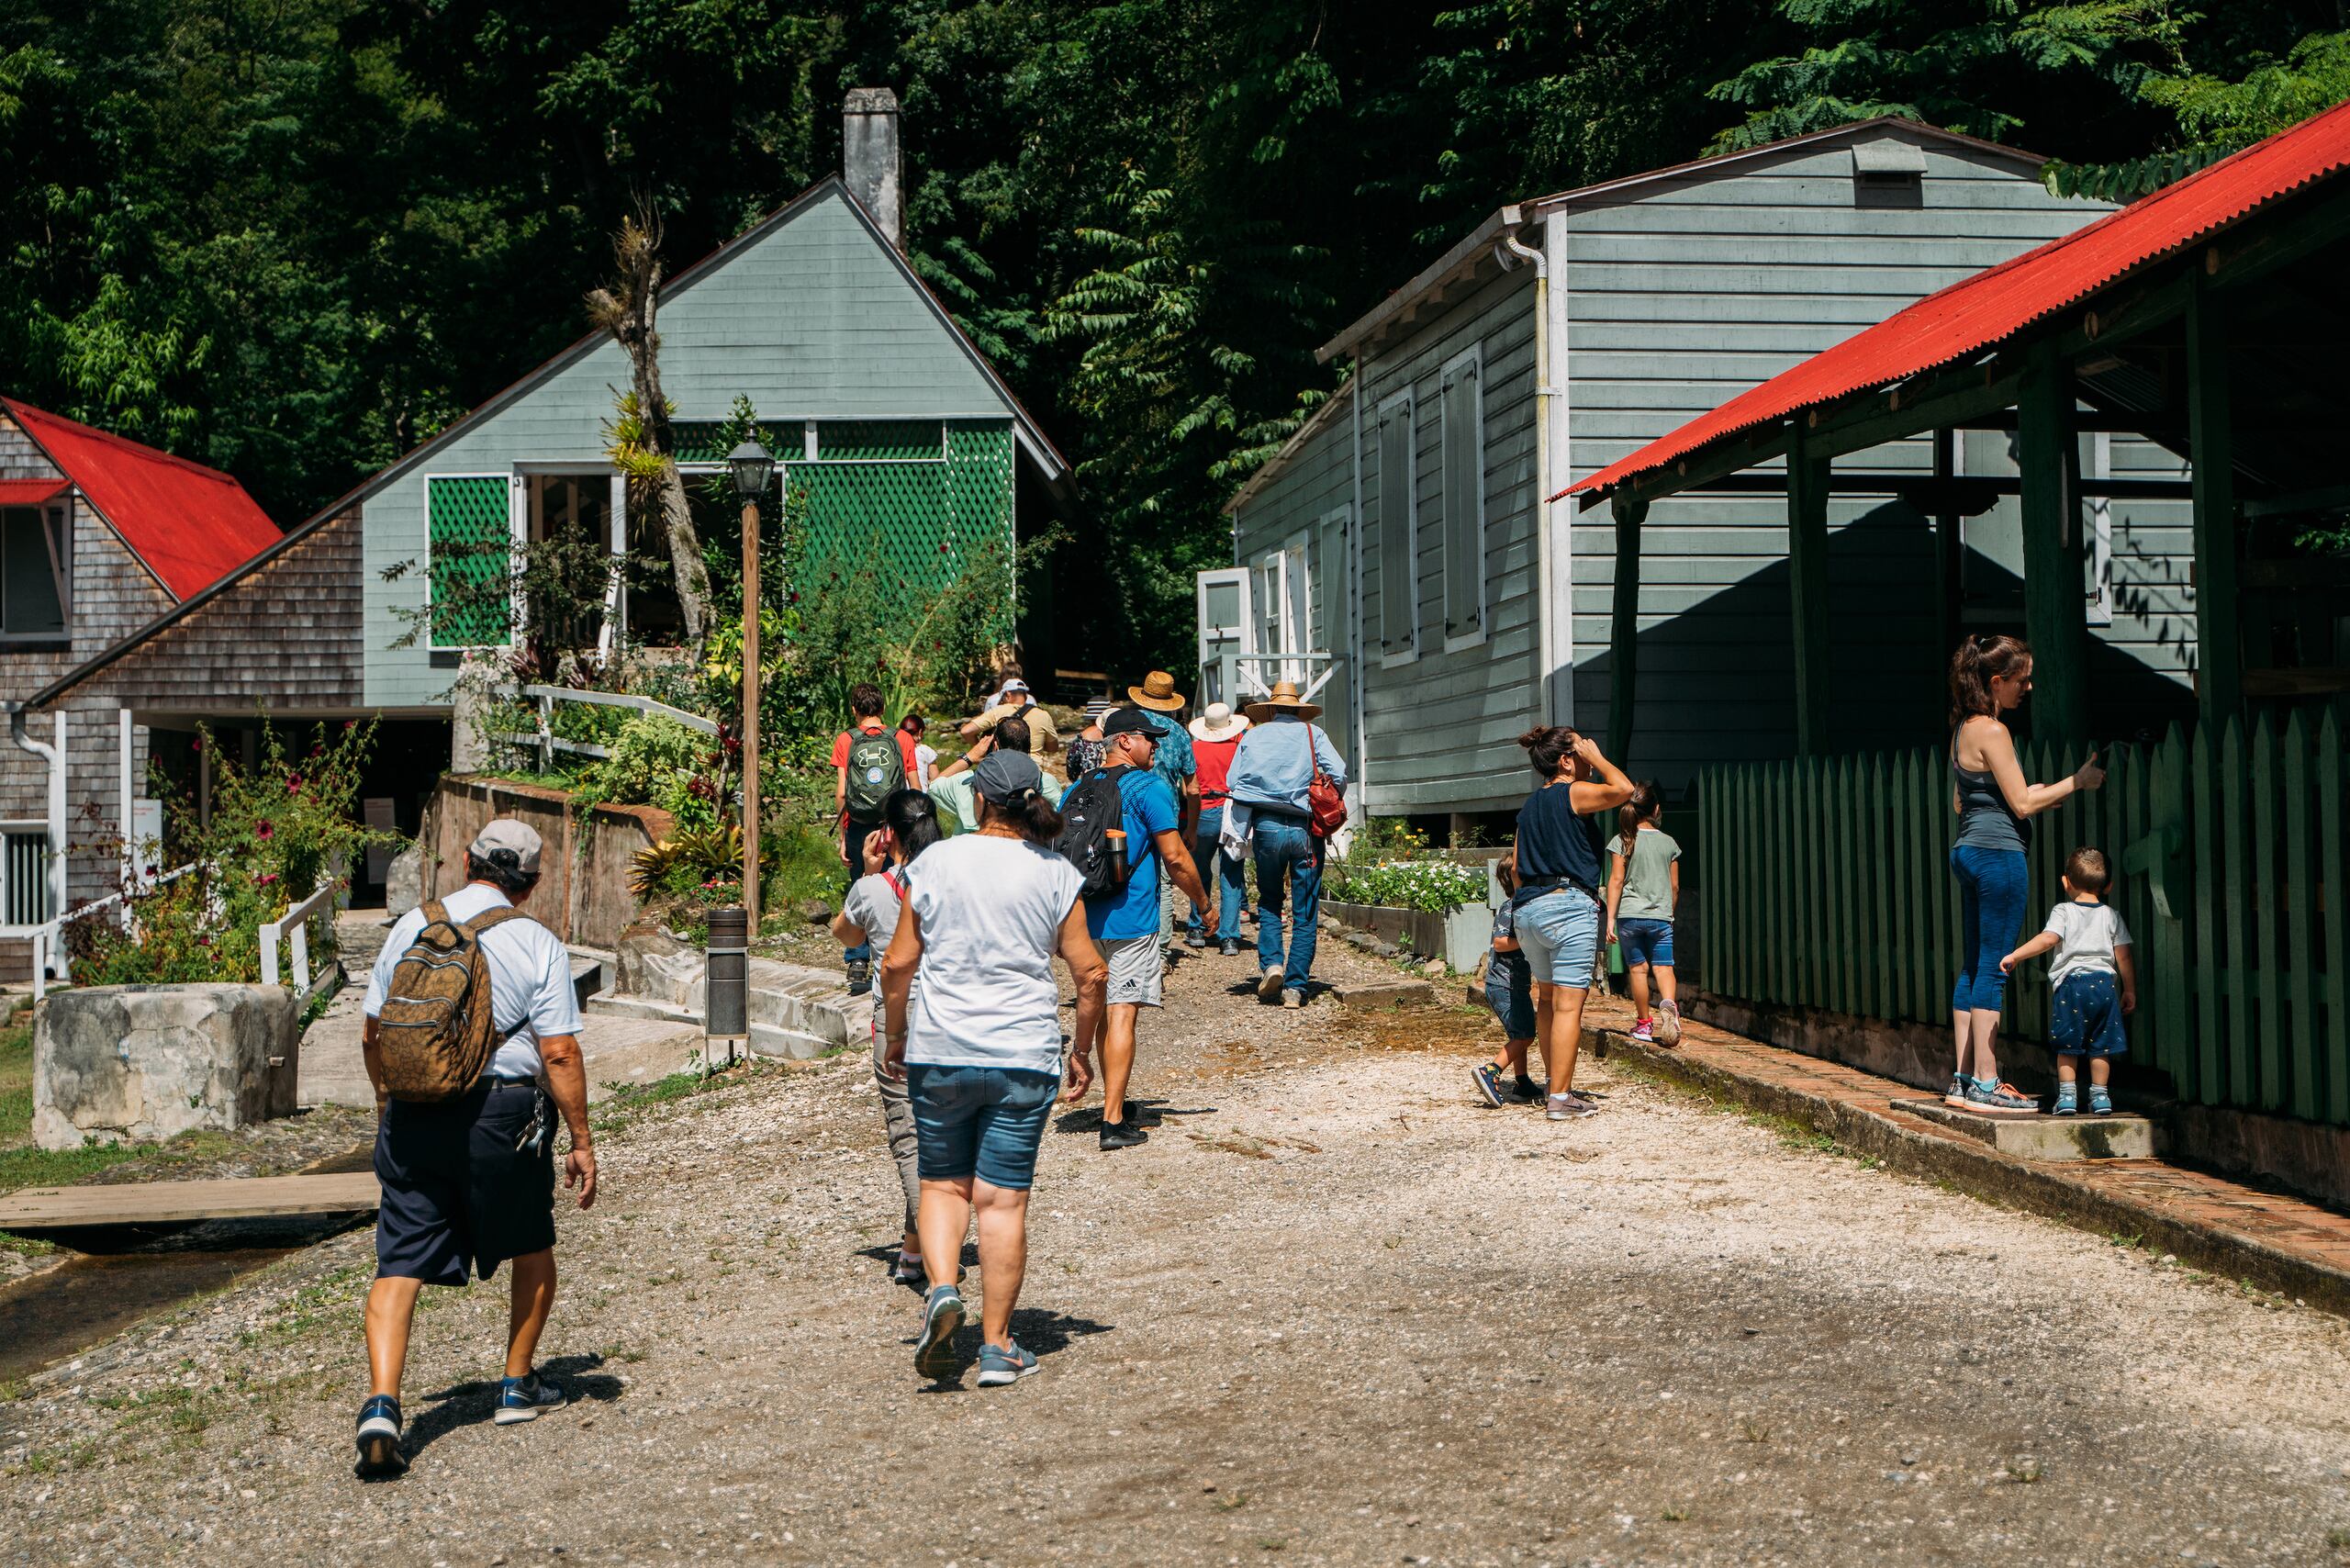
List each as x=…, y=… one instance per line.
x=1545, y=389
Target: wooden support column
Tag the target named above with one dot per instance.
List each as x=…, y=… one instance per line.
x=2055, y=605
x=1808, y=581
x=1624, y=633
x=2211, y=445
x=1949, y=547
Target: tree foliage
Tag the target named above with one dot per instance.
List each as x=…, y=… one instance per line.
x=293, y=238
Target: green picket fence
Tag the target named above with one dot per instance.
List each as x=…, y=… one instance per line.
x=1826, y=884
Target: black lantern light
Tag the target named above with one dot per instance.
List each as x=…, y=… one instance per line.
x=753, y=466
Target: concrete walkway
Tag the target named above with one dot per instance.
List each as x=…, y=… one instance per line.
x=333, y=1072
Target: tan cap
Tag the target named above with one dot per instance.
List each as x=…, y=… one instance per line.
x=508, y=834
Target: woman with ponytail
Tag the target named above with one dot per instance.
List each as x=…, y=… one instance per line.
x=869, y=917
x=979, y=1045
x=1557, y=902
x=1995, y=804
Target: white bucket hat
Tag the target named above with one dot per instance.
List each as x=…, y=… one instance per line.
x=1218, y=723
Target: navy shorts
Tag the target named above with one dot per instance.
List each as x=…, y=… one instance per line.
x=980, y=1121
x=2085, y=1020
x=1509, y=992
x=458, y=1196
x=1645, y=941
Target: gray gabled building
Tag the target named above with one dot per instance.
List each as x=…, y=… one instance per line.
x=1400, y=541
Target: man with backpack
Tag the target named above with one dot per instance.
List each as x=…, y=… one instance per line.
x=1286, y=778
x=870, y=763
x=472, y=1041
x=1122, y=829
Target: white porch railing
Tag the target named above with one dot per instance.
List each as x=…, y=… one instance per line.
x=47, y=936
x=548, y=742
x=296, y=922
x=1246, y=674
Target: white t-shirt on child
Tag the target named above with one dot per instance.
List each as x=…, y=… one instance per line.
x=991, y=909
x=2087, y=934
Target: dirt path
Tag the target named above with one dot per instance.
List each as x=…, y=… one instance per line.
x=1330, y=1313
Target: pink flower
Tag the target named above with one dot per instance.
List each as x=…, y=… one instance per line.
x=294, y=784
x=266, y=879
x=261, y=828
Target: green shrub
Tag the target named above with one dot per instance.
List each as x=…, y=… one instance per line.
x=1435, y=886
x=656, y=761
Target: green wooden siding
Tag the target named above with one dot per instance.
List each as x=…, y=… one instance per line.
x=1826, y=885
x=813, y=319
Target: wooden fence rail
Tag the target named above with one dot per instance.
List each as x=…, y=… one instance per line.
x=1828, y=885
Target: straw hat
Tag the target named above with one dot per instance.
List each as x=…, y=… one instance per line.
x=1158, y=693
x=1218, y=723
x=1283, y=700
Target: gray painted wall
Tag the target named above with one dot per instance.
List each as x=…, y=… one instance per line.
x=1680, y=294
x=1309, y=503
x=812, y=320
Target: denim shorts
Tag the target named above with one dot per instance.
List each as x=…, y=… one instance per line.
x=1510, y=994
x=1645, y=941
x=1558, y=931
x=980, y=1121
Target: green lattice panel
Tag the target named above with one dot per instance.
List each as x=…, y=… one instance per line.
x=918, y=522
x=865, y=441
x=704, y=441
x=471, y=543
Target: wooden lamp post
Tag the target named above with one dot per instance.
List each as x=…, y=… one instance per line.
x=752, y=466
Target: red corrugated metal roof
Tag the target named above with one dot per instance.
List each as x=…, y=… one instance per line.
x=1974, y=313
x=190, y=525
x=30, y=492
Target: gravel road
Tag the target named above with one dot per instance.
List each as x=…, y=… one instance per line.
x=1332, y=1312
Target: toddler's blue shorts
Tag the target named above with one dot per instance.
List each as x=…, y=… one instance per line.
x=2084, y=1019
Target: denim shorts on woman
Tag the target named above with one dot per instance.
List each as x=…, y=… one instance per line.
x=980, y=1121
x=1645, y=941
x=1559, y=932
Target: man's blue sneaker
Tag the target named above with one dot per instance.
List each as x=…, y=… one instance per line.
x=521, y=1398
x=942, y=1314
x=2101, y=1101
x=1489, y=1082
x=998, y=1366
x=2068, y=1101
x=379, y=1437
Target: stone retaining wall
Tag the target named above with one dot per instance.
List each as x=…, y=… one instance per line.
x=141, y=1063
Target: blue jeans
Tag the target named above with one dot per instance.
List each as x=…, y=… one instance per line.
x=1220, y=874
x=1288, y=858
x=1990, y=912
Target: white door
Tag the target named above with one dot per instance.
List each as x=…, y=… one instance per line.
x=1297, y=611
x=1225, y=630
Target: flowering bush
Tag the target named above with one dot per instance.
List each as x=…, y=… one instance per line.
x=279, y=830
x=656, y=761
x=1435, y=886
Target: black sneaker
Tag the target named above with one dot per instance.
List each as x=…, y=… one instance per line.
x=1231, y=947
x=379, y=1438
x=1196, y=940
x=1526, y=1091
x=860, y=976
x=1122, y=1134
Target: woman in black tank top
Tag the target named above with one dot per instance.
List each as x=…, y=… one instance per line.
x=1557, y=900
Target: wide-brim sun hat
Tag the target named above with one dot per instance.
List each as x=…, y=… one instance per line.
x=1283, y=698
x=1158, y=693
x=1218, y=723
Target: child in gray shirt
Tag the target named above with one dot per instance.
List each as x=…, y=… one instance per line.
x=2097, y=985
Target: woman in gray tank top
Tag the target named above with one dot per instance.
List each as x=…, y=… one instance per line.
x=1988, y=677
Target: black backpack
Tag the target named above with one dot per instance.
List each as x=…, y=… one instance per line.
x=1094, y=805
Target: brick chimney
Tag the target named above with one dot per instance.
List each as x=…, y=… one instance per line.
x=871, y=161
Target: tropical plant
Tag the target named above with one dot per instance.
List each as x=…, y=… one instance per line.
x=689, y=863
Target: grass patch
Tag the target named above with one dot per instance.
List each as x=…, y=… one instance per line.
x=629, y=1102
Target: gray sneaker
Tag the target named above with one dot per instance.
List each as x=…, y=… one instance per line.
x=998, y=1367
x=2001, y=1099
x=1959, y=1086
x=1668, y=1024
x=1569, y=1106
x=1269, y=983
x=942, y=1316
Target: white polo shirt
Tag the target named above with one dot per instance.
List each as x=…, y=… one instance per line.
x=529, y=978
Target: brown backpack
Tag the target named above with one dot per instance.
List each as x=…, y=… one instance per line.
x=436, y=1034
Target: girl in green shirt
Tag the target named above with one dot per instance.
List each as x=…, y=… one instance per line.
x=1644, y=886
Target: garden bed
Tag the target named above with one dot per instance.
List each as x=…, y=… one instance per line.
x=1459, y=936
x=584, y=893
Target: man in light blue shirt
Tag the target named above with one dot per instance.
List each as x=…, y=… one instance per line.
x=1270, y=774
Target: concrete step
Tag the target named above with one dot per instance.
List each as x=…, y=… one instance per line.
x=2119, y=1137
x=611, y=1004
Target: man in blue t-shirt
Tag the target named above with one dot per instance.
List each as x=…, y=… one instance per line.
x=1125, y=923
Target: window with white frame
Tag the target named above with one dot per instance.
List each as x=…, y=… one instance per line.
x=1399, y=534
x=1462, y=434
x=24, y=873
